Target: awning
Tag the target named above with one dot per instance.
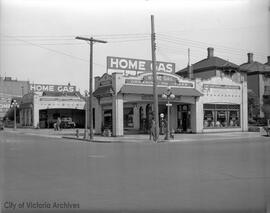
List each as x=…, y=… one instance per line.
x=103, y=91
x=148, y=90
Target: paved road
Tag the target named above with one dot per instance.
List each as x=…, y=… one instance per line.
x=230, y=175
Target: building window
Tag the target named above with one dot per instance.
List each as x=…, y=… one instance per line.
x=107, y=119
x=128, y=118
x=222, y=119
x=221, y=116
x=266, y=90
x=209, y=120
x=94, y=118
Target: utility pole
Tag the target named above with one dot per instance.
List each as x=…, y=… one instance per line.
x=91, y=42
x=86, y=114
x=22, y=91
x=153, y=44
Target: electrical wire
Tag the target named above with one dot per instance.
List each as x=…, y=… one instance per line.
x=232, y=50
x=110, y=41
x=56, y=51
x=236, y=54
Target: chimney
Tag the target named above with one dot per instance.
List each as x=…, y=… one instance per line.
x=268, y=60
x=210, y=51
x=250, y=57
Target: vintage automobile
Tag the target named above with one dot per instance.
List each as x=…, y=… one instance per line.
x=67, y=122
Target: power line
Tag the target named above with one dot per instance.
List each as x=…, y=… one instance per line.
x=70, y=37
x=111, y=40
x=197, y=52
x=203, y=47
x=55, y=51
x=224, y=28
x=200, y=44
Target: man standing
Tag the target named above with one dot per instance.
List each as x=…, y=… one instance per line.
x=152, y=129
x=58, y=124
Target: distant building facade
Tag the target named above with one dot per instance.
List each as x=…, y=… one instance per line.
x=44, y=104
x=10, y=88
x=258, y=79
x=213, y=66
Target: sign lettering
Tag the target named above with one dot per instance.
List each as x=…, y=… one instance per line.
x=138, y=65
x=52, y=88
x=220, y=86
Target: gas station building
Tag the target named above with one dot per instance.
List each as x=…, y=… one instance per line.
x=124, y=102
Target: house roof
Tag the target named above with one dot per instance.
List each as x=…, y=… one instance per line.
x=210, y=63
x=148, y=90
x=255, y=67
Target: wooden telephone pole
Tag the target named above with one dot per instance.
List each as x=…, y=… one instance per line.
x=90, y=99
x=153, y=44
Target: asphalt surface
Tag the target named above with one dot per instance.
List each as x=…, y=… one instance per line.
x=200, y=176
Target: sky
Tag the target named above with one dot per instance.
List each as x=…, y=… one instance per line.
x=38, y=44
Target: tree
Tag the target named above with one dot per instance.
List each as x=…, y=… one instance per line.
x=253, y=105
x=266, y=106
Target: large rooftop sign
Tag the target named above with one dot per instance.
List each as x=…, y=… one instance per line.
x=140, y=65
x=52, y=88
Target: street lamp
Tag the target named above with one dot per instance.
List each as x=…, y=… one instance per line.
x=86, y=109
x=168, y=95
x=14, y=104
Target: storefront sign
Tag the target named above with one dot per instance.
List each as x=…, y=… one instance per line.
x=4, y=107
x=150, y=97
x=105, y=83
x=161, y=80
x=138, y=65
x=105, y=80
x=52, y=88
x=220, y=86
x=4, y=104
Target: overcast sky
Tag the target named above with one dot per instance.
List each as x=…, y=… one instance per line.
x=37, y=36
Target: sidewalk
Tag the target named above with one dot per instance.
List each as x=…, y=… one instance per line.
x=139, y=138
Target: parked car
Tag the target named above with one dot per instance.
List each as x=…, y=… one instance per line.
x=1, y=125
x=261, y=121
x=67, y=123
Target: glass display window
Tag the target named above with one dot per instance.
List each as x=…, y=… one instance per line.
x=209, y=118
x=234, y=119
x=221, y=119
x=221, y=116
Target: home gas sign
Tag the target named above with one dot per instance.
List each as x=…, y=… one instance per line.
x=132, y=64
x=52, y=88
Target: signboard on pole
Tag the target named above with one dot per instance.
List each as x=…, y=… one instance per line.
x=139, y=65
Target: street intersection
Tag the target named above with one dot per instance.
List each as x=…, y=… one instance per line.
x=197, y=175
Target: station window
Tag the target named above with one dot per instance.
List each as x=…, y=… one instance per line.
x=128, y=118
x=221, y=116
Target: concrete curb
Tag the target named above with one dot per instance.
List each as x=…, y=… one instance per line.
x=144, y=139
x=107, y=141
